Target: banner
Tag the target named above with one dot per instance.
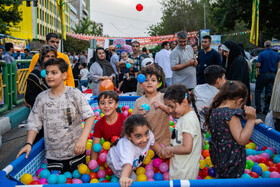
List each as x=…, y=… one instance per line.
x=254, y=37
x=216, y=41
x=61, y=7
x=203, y=33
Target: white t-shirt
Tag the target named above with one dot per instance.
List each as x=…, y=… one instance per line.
x=163, y=60
x=84, y=72
x=125, y=152
x=186, y=167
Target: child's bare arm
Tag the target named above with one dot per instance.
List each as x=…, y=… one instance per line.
x=157, y=148
x=94, y=155
x=31, y=135
x=80, y=146
x=242, y=135
x=183, y=149
x=125, y=181
x=158, y=104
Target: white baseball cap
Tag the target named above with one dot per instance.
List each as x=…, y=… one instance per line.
x=147, y=62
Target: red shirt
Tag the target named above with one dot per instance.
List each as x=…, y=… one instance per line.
x=103, y=129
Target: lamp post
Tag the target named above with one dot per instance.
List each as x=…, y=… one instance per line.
x=202, y=4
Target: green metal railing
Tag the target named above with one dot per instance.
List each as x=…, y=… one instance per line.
x=13, y=83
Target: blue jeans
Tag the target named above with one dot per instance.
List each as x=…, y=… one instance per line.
x=83, y=83
x=168, y=82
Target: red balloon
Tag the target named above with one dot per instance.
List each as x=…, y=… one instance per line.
x=254, y=175
x=139, y=7
x=106, y=85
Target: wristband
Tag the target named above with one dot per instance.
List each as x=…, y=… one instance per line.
x=28, y=144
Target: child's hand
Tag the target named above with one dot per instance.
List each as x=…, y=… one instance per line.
x=258, y=121
x=80, y=147
x=143, y=112
x=26, y=149
x=166, y=152
x=157, y=104
x=250, y=112
x=125, y=181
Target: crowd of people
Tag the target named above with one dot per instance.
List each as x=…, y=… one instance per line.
x=204, y=90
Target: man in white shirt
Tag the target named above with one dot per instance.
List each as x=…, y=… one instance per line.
x=163, y=60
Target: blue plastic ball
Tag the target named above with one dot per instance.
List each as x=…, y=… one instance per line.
x=249, y=152
x=44, y=173
x=211, y=172
x=55, y=172
x=128, y=65
x=101, y=179
x=266, y=174
x=141, y=78
x=97, y=147
x=85, y=178
x=268, y=151
x=158, y=177
x=61, y=179
x=276, y=159
x=257, y=169
x=145, y=107
x=114, y=179
x=52, y=179
x=68, y=174
x=245, y=176
x=45, y=165
x=76, y=174
x=43, y=73
x=96, y=169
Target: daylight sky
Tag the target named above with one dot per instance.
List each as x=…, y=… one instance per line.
x=120, y=17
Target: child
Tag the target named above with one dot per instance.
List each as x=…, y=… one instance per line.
x=131, y=149
x=158, y=116
x=111, y=124
x=60, y=110
x=228, y=137
x=186, y=137
x=83, y=76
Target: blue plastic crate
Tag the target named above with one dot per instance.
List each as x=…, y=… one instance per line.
x=262, y=136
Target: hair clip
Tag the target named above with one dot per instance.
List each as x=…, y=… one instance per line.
x=230, y=82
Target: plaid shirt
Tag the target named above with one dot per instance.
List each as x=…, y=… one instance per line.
x=137, y=64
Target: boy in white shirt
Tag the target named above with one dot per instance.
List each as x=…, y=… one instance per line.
x=83, y=76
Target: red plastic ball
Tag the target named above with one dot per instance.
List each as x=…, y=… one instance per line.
x=99, y=162
x=263, y=160
x=114, y=138
x=206, y=153
x=109, y=171
x=254, y=175
x=69, y=181
x=105, y=181
x=278, y=167
x=139, y=7
x=104, y=151
x=205, y=171
x=270, y=163
x=93, y=175
x=34, y=183
x=263, y=148
x=200, y=174
x=273, y=168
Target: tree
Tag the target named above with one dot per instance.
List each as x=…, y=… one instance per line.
x=87, y=27
x=180, y=15
x=75, y=45
x=9, y=14
x=225, y=14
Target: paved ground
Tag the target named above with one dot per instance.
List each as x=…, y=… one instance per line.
x=14, y=139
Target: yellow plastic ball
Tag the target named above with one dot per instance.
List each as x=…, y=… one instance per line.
x=94, y=181
x=106, y=165
x=26, y=178
x=202, y=164
x=83, y=125
x=141, y=177
x=211, y=166
x=208, y=177
x=140, y=170
x=106, y=145
x=101, y=168
x=151, y=153
x=83, y=169
x=263, y=166
x=87, y=159
x=88, y=146
x=249, y=146
x=88, y=171
x=147, y=160
x=130, y=110
x=102, y=115
x=208, y=161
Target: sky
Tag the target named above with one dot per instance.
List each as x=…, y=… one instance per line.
x=120, y=17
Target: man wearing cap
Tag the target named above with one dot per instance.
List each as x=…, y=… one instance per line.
x=183, y=62
x=268, y=62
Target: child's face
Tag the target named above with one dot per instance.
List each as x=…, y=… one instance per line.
x=49, y=55
x=124, y=57
x=176, y=110
x=108, y=106
x=54, y=77
x=151, y=84
x=140, y=136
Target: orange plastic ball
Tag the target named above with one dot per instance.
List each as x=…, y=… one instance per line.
x=106, y=85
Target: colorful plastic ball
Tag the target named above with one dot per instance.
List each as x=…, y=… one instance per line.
x=108, y=177
x=52, y=179
x=206, y=147
x=106, y=145
x=102, y=141
x=130, y=110
x=35, y=178
x=158, y=177
x=61, y=179
x=206, y=153
x=274, y=174
x=205, y=171
x=257, y=169
x=211, y=172
x=149, y=167
x=44, y=173
x=140, y=170
x=141, y=78
x=114, y=138
x=264, y=148
x=141, y=178
x=76, y=174
x=247, y=171
x=272, y=149
x=96, y=113
x=104, y=181
x=208, y=161
x=85, y=178
x=97, y=147
x=96, y=169
x=145, y=107
x=43, y=73
x=55, y=172
x=139, y=7
x=26, y=179
x=163, y=167
x=207, y=135
x=94, y=181
x=68, y=181
x=276, y=159
x=208, y=177
x=263, y=160
x=202, y=164
x=249, y=152
x=109, y=171
x=114, y=179
x=68, y=174
x=250, y=163
x=106, y=84
x=171, y=123
x=83, y=169
x=43, y=181
x=149, y=174
x=157, y=162
x=166, y=176
x=254, y=175
x=77, y=181
x=269, y=152
x=125, y=113
x=93, y=175
x=266, y=174
x=101, y=174
x=273, y=168
x=151, y=153
x=245, y=176
x=263, y=166
x=102, y=157
x=34, y=182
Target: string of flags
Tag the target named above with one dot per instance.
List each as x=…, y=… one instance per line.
x=237, y=33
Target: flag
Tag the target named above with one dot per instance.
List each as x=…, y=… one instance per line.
x=61, y=7
x=255, y=22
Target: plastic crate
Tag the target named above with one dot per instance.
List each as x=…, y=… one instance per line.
x=262, y=135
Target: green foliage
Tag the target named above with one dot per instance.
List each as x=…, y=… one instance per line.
x=9, y=14
x=75, y=45
x=87, y=27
